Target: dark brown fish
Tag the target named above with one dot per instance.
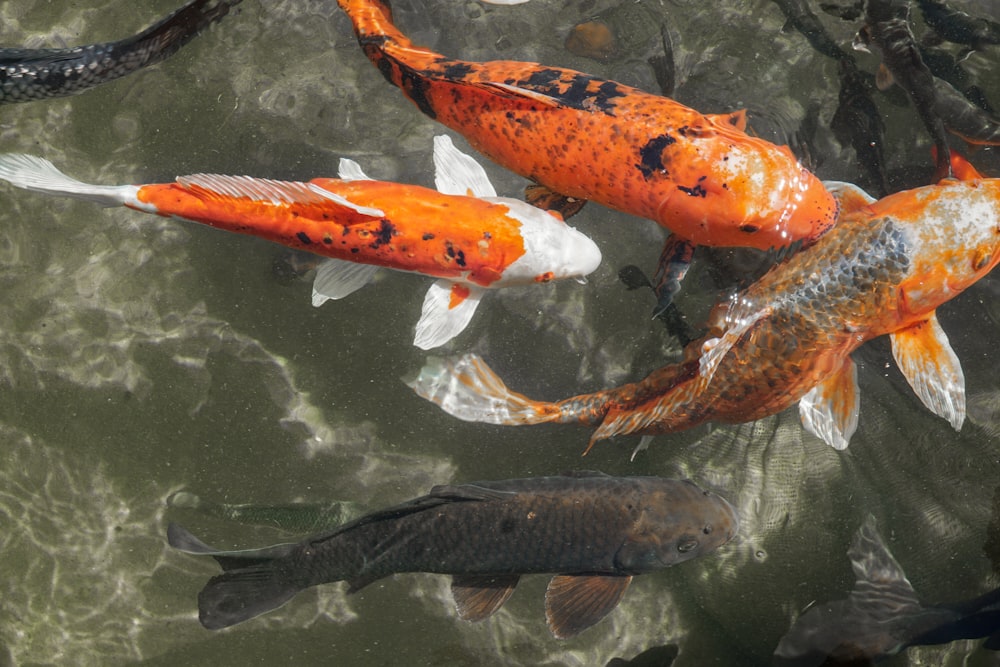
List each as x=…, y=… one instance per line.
x=35, y=74
x=593, y=531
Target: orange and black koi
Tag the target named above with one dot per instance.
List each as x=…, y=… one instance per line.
x=470, y=243
x=884, y=269
x=701, y=176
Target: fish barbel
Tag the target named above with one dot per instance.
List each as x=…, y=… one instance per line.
x=594, y=531
x=463, y=234
x=700, y=176
x=884, y=269
x=36, y=74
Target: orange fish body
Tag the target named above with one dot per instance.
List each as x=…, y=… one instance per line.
x=700, y=176
x=884, y=269
x=463, y=235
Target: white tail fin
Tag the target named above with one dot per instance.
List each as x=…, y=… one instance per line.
x=468, y=389
x=39, y=175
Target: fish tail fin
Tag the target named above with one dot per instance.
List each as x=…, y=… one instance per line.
x=166, y=37
x=252, y=582
x=40, y=175
x=468, y=389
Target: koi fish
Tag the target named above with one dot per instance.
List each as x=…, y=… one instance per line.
x=463, y=234
x=883, y=615
x=787, y=338
x=700, y=176
x=958, y=27
x=35, y=74
x=593, y=531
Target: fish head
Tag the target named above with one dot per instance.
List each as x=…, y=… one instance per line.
x=677, y=521
x=953, y=230
x=754, y=195
x=552, y=249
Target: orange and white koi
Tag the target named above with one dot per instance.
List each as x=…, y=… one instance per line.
x=883, y=269
x=462, y=234
x=701, y=176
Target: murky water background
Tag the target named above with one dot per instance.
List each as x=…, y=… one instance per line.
x=139, y=356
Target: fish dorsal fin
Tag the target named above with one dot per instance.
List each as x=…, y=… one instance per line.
x=736, y=119
x=469, y=492
x=830, y=409
x=961, y=168
x=849, y=196
x=456, y=173
x=349, y=170
x=336, y=278
x=448, y=307
x=574, y=602
x=477, y=597
x=265, y=189
x=882, y=589
x=532, y=98
x=928, y=363
x=179, y=538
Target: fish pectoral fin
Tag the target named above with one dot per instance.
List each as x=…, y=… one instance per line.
x=928, y=363
x=830, y=409
x=737, y=119
x=574, y=602
x=448, y=307
x=463, y=492
x=849, y=196
x=349, y=170
x=336, y=278
x=477, y=597
x=456, y=173
x=542, y=197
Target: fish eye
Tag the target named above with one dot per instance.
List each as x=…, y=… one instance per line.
x=687, y=545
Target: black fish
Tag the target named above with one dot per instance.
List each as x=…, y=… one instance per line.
x=957, y=26
x=35, y=74
x=857, y=122
x=594, y=531
x=887, y=31
x=883, y=615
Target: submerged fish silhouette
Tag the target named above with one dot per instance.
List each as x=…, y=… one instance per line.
x=593, y=531
x=883, y=615
x=884, y=269
x=35, y=74
x=298, y=517
x=463, y=234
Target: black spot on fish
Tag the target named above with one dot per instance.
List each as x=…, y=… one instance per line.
x=651, y=156
x=460, y=258
x=384, y=234
x=302, y=236
x=428, y=236
x=415, y=85
x=749, y=229
x=355, y=250
x=542, y=78
x=327, y=239
x=457, y=70
x=696, y=191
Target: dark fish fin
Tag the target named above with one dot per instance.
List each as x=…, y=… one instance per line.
x=574, y=602
x=182, y=540
x=477, y=597
x=239, y=595
x=466, y=492
x=545, y=199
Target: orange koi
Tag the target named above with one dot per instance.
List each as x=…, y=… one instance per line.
x=462, y=234
x=788, y=338
x=701, y=176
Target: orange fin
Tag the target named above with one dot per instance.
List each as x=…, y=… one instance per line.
x=547, y=200
x=925, y=357
x=477, y=597
x=737, y=119
x=448, y=307
x=849, y=196
x=961, y=168
x=574, y=602
x=830, y=409
x=884, y=80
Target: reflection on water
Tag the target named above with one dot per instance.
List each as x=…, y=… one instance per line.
x=140, y=355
